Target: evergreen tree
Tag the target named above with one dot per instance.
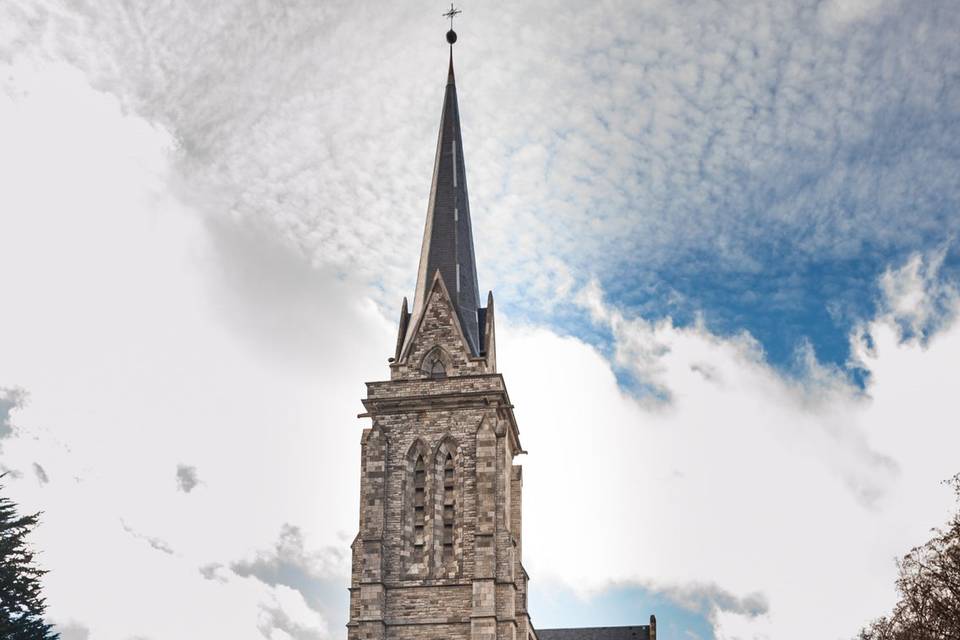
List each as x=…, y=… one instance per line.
x=21, y=603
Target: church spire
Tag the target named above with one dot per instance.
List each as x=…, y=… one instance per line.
x=448, y=236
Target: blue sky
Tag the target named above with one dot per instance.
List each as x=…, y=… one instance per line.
x=772, y=172
x=620, y=606
x=783, y=307
x=723, y=233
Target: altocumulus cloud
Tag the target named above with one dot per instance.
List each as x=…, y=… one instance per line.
x=198, y=287
x=753, y=162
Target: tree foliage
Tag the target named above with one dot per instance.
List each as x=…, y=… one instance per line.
x=21, y=603
x=929, y=588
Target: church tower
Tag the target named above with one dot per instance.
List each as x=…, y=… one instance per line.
x=438, y=554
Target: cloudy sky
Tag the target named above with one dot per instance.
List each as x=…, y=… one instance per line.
x=722, y=237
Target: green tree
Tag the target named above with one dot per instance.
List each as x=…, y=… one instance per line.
x=929, y=587
x=21, y=603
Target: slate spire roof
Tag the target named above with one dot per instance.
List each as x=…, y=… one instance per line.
x=448, y=236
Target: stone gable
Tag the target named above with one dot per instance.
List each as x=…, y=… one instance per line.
x=437, y=334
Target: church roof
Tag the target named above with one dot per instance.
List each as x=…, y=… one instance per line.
x=596, y=633
x=448, y=235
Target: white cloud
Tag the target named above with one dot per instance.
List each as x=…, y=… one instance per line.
x=841, y=12
x=916, y=295
x=759, y=483
x=152, y=328
x=147, y=334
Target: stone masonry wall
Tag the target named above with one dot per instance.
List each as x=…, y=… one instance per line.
x=400, y=589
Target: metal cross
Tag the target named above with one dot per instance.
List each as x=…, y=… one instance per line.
x=450, y=14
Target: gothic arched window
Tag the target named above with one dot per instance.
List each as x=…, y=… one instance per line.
x=449, y=508
x=434, y=365
x=437, y=370
x=419, y=501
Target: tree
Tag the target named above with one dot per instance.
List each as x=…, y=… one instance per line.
x=929, y=587
x=21, y=604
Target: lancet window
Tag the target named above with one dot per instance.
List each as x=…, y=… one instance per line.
x=419, y=501
x=449, y=508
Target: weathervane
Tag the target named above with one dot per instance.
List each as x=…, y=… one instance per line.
x=451, y=35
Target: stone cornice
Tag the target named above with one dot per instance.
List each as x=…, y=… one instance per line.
x=486, y=390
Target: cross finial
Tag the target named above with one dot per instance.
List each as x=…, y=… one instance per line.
x=451, y=14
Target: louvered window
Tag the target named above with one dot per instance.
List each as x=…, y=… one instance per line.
x=449, y=508
x=419, y=501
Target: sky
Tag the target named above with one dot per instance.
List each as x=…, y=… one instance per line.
x=721, y=237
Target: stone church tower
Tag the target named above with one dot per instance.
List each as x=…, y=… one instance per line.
x=438, y=554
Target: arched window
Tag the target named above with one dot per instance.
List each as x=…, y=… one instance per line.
x=437, y=370
x=434, y=364
x=449, y=508
x=419, y=501
x=418, y=514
